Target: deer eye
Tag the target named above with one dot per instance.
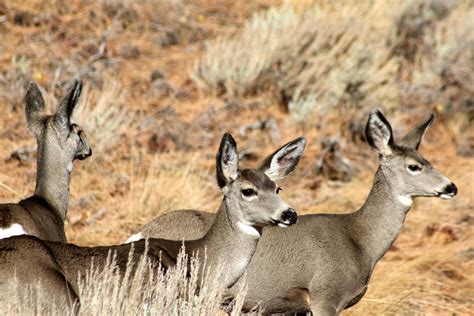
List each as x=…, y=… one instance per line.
x=249, y=192
x=278, y=190
x=414, y=168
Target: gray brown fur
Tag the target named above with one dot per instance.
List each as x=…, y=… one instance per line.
x=59, y=142
x=226, y=242
x=323, y=263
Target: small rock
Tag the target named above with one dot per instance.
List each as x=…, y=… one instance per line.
x=183, y=95
x=315, y=185
x=442, y=234
x=22, y=155
x=431, y=229
x=130, y=51
x=452, y=274
x=269, y=126
x=82, y=202
x=393, y=248
x=3, y=9
x=168, y=38
x=156, y=75
x=466, y=219
x=153, y=144
x=247, y=155
x=90, y=48
x=23, y=18
x=332, y=163
x=161, y=88
x=467, y=254
x=447, y=235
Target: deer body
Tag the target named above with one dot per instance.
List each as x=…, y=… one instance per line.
x=250, y=202
x=329, y=258
x=31, y=216
x=60, y=142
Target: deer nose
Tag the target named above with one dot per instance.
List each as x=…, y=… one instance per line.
x=451, y=189
x=83, y=156
x=289, y=216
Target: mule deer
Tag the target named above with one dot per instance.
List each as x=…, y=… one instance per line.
x=328, y=258
x=59, y=143
x=250, y=202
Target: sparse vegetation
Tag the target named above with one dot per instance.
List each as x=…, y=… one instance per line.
x=358, y=55
x=161, y=185
x=104, y=115
x=164, y=79
x=139, y=291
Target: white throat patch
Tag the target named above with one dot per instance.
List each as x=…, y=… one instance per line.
x=247, y=229
x=14, y=230
x=70, y=166
x=405, y=200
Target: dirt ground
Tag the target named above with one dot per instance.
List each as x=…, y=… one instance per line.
x=160, y=154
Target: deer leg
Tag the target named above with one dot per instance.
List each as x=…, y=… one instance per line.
x=323, y=308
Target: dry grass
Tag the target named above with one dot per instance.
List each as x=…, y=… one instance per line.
x=314, y=57
x=103, y=115
x=329, y=51
x=163, y=184
x=357, y=55
x=140, y=290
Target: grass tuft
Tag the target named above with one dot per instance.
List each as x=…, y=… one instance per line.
x=140, y=290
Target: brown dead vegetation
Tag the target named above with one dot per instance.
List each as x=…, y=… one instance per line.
x=165, y=79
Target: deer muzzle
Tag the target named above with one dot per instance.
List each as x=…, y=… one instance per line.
x=449, y=191
x=288, y=217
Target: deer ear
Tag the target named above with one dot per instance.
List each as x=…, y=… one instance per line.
x=227, y=160
x=67, y=104
x=34, y=107
x=283, y=161
x=379, y=133
x=414, y=137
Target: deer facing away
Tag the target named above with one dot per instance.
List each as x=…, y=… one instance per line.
x=323, y=263
x=59, y=143
x=250, y=202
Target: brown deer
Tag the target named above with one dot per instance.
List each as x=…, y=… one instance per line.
x=323, y=263
x=60, y=142
x=250, y=202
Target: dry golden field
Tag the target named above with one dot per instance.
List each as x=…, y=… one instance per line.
x=164, y=79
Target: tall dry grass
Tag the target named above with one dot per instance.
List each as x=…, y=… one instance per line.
x=356, y=55
x=311, y=53
x=139, y=290
x=162, y=183
x=101, y=112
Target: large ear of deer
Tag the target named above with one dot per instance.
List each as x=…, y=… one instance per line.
x=414, y=137
x=227, y=160
x=34, y=107
x=67, y=104
x=379, y=133
x=283, y=161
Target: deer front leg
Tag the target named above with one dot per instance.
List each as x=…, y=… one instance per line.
x=323, y=308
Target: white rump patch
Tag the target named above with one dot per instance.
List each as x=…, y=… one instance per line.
x=14, y=230
x=247, y=229
x=405, y=200
x=135, y=237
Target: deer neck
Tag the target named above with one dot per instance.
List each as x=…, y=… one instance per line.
x=378, y=222
x=229, y=243
x=52, y=179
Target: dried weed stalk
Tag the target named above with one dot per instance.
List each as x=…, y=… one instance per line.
x=139, y=290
